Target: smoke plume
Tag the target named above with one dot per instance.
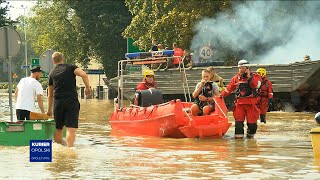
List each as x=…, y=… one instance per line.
x=268, y=32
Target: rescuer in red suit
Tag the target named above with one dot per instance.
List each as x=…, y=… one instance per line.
x=148, y=81
x=265, y=94
x=246, y=84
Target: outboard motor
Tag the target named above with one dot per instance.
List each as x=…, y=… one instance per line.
x=149, y=97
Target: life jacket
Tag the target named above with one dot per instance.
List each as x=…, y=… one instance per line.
x=177, y=52
x=220, y=84
x=207, y=91
x=145, y=85
x=263, y=90
x=243, y=89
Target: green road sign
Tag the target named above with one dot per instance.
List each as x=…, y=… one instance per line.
x=44, y=74
x=132, y=48
x=134, y=68
x=94, y=71
x=35, y=62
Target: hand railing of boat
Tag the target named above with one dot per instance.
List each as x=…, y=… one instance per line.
x=120, y=73
x=151, y=60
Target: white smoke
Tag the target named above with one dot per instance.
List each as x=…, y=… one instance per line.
x=271, y=31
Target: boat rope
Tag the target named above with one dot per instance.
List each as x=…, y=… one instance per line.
x=185, y=111
x=219, y=108
x=184, y=81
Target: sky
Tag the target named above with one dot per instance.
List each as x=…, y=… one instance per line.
x=16, y=10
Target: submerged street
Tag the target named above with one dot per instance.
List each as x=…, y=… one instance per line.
x=281, y=149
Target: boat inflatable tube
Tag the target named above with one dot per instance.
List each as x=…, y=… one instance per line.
x=149, y=97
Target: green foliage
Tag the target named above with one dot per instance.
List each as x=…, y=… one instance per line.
x=5, y=86
x=81, y=30
x=44, y=83
x=101, y=23
x=55, y=26
x=4, y=21
x=168, y=21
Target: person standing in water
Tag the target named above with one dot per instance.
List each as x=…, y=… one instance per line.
x=245, y=83
x=62, y=92
x=27, y=90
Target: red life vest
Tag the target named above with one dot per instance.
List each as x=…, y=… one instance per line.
x=265, y=89
x=145, y=85
x=246, y=89
x=243, y=89
x=177, y=52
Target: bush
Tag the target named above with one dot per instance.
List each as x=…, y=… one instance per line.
x=44, y=84
x=5, y=86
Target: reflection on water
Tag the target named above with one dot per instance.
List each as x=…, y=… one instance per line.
x=5, y=109
x=65, y=160
x=281, y=149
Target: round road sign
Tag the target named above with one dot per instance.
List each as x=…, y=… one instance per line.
x=206, y=52
x=10, y=42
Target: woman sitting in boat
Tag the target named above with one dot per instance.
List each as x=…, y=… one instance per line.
x=148, y=81
x=204, y=95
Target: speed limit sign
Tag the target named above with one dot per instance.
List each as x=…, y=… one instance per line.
x=206, y=52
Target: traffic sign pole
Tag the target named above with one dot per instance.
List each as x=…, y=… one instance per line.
x=9, y=48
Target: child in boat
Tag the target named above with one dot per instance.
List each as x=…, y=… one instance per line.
x=204, y=95
x=216, y=78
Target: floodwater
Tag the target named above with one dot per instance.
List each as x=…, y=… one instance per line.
x=281, y=150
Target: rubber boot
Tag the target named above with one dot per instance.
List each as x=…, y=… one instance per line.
x=252, y=129
x=263, y=118
x=239, y=132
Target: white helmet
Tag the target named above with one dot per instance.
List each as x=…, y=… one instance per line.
x=243, y=63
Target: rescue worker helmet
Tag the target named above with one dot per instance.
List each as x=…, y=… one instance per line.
x=243, y=63
x=148, y=72
x=262, y=72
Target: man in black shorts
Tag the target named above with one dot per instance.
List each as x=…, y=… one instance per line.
x=63, y=94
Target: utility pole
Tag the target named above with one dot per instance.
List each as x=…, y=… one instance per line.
x=25, y=38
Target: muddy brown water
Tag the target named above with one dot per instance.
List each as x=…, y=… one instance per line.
x=281, y=150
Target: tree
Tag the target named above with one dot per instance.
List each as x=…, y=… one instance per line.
x=3, y=13
x=54, y=26
x=233, y=27
x=101, y=23
x=82, y=30
x=4, y=21
x=168, y=21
